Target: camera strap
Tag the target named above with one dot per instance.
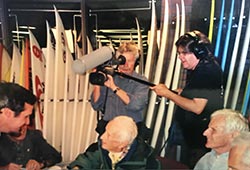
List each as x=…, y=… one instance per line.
x=100, y=115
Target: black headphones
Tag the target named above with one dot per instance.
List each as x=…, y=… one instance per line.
x=199, y=49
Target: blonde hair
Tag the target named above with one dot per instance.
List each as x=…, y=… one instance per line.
x=128, y=46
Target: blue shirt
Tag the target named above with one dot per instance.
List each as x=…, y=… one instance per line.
x=212, y=161
x=137, y=92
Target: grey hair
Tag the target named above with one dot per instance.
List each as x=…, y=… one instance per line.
x=234, y=120
x=127, y=129
x=128, y=46
x=243, y=140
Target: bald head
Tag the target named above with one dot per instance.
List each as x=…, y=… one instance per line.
x=119, y=134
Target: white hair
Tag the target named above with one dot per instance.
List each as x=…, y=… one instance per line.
x=126, y=128
x=128, y=46
x=234, y=120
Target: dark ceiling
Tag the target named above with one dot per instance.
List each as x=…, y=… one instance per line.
x=100, y=14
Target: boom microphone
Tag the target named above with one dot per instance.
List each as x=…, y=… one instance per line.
x=92, y=59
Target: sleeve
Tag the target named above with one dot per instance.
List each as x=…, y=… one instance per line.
x=46, y=154
x=88, y=160
x=99, y=103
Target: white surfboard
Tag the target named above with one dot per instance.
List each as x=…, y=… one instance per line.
x=59, y=78
x=15, y=65
x=49, y=85
x=5, y=64
x=168, y=80
x=159, y=65
x=152, y=46
x=38, y=78
x=234, y=54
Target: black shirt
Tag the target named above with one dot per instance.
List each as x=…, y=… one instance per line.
x=205, y=81
x=34, y=146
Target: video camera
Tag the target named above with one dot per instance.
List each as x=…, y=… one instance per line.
x=99, y=77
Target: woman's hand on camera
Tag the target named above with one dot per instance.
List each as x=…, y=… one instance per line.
x=110, y=82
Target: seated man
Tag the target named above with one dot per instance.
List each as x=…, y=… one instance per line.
x=16, y=105
x=224, y=126
x=118, y=149
x=239, y=154
x=26, y=149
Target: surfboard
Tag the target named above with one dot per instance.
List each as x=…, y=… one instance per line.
x=168, y=80
x=38, y=78
x=245, y=104
x=68, y=104
x=176, y=77
x=84, y=118
x=15, y=65
x=228, y=35
x=159, y=65
x=234, y=54
x=140, y=47
x=211, y=22
x=58, y=96
x=77, y=103
x=218, y=39
x=152, y=45
x=21, y=81
x=87, y=120
x=27, y=65
x=5, y=64
x=49, y=84
x=242, y=63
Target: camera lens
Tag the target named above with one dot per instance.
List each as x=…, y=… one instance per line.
x=98, y=78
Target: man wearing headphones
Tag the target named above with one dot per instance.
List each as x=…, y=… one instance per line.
x=201, y=96
x=120, y=95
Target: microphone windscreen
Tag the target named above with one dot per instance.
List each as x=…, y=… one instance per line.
x=92, y=60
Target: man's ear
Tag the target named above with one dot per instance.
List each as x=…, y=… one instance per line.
x=7, y=112
x=235, y=134
x=124, y=146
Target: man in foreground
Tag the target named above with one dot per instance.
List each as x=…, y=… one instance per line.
x=224, y=126
x=118, y=149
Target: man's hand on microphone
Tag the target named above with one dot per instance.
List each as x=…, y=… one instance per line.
x=162, y=90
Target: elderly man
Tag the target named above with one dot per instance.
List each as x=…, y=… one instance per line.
x=118, y=149
x=224, y=126
x=16, y=105
x=239, y=154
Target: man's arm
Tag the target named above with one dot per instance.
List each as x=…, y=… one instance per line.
x=47, y=155
x=195, y=105
x=11, y=166
x=88, y=160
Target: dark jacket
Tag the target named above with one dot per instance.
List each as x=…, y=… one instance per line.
x=139, y=156
x=34, y=146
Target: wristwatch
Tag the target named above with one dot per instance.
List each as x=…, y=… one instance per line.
x=116, y=89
